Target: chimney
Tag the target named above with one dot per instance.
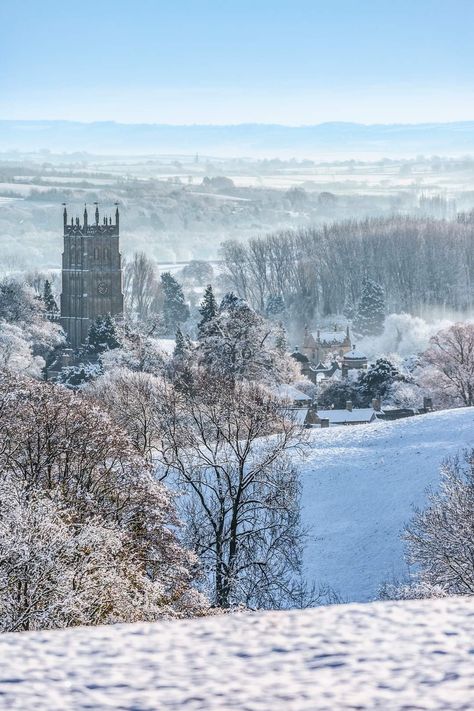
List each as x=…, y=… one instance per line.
x=349, y=405
x=376, y=404
x=428, y=404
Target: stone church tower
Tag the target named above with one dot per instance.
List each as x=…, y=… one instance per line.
x=91, y=274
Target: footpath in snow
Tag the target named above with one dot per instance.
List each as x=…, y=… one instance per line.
x=388, y=656
x=360, y=485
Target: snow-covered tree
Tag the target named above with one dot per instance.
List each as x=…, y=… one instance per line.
x=208, y=310
x=139, y=350
x=240, y=344
x=175, y=308
x=240, y=489
x=182, y=365
x=440, y=537
x=335, y=394
x=103, y=335
x=49, y=301
x=451, y=359
x=27, y=337
x=112, y=553
x=378, y=378
x=142, y=290
x=197, y=272
x=370, y=314
x=77, y=376
x=134, y=401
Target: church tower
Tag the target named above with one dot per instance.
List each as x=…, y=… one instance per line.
x=91, y=274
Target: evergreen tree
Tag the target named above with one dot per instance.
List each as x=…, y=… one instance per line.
x=180, y=368
x=175, y=309
x=208, y=311
x=370, y=314
x=103, y=335
x=49, y=300
x=242, y=345
x=376, y=381
x=180, y=347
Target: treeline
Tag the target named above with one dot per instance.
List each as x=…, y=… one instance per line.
x=420, y=262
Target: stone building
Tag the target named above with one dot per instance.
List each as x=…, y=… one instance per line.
x=320, y=345
x=353, y=360
x=91, y=274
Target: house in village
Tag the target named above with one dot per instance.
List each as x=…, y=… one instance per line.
x=352, y=362
x=321, y=345
x=297, y=404
x=350, y=415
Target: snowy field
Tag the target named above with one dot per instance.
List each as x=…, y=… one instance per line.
x=387, y=656
x=360, y=485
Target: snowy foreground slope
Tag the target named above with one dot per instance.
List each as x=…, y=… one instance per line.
x=377, y=656
x=360, y=485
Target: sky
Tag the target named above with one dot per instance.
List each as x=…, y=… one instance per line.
x=292, y=62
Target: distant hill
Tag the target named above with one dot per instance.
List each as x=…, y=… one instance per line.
x=325, y=141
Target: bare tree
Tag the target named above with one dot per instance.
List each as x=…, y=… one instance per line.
x=451, y=355
x=228, y=449
x=133, y=399
x=142, y=287
x=86, y=531
x=441, y=538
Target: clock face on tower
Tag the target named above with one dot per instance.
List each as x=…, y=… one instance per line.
x=102, y=288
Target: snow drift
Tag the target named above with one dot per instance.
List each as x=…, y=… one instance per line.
x=416, y=654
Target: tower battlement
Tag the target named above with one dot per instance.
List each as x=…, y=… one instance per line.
x=98, y=227
x=91, y=273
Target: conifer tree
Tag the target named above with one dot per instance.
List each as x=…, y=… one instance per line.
x=208, y=310
x=103, y=335
x=370, y=314
x=181, y=364
x=175, y=309
x=49, y=300
x=180, y=347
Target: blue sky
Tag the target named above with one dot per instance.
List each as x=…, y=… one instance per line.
x=235, y=61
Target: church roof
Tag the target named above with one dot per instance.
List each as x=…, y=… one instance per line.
x=330, y=337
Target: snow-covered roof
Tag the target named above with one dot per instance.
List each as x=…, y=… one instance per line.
x=380, y=655
x=359, y=414
x=320, y=366
x=330, y=336
x=298, y=414
x=289, y=392
x=354, y=355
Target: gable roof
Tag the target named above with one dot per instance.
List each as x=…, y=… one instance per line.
x=359, y=414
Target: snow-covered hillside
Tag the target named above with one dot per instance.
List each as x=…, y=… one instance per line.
x=376, y=656
x=360, y=485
